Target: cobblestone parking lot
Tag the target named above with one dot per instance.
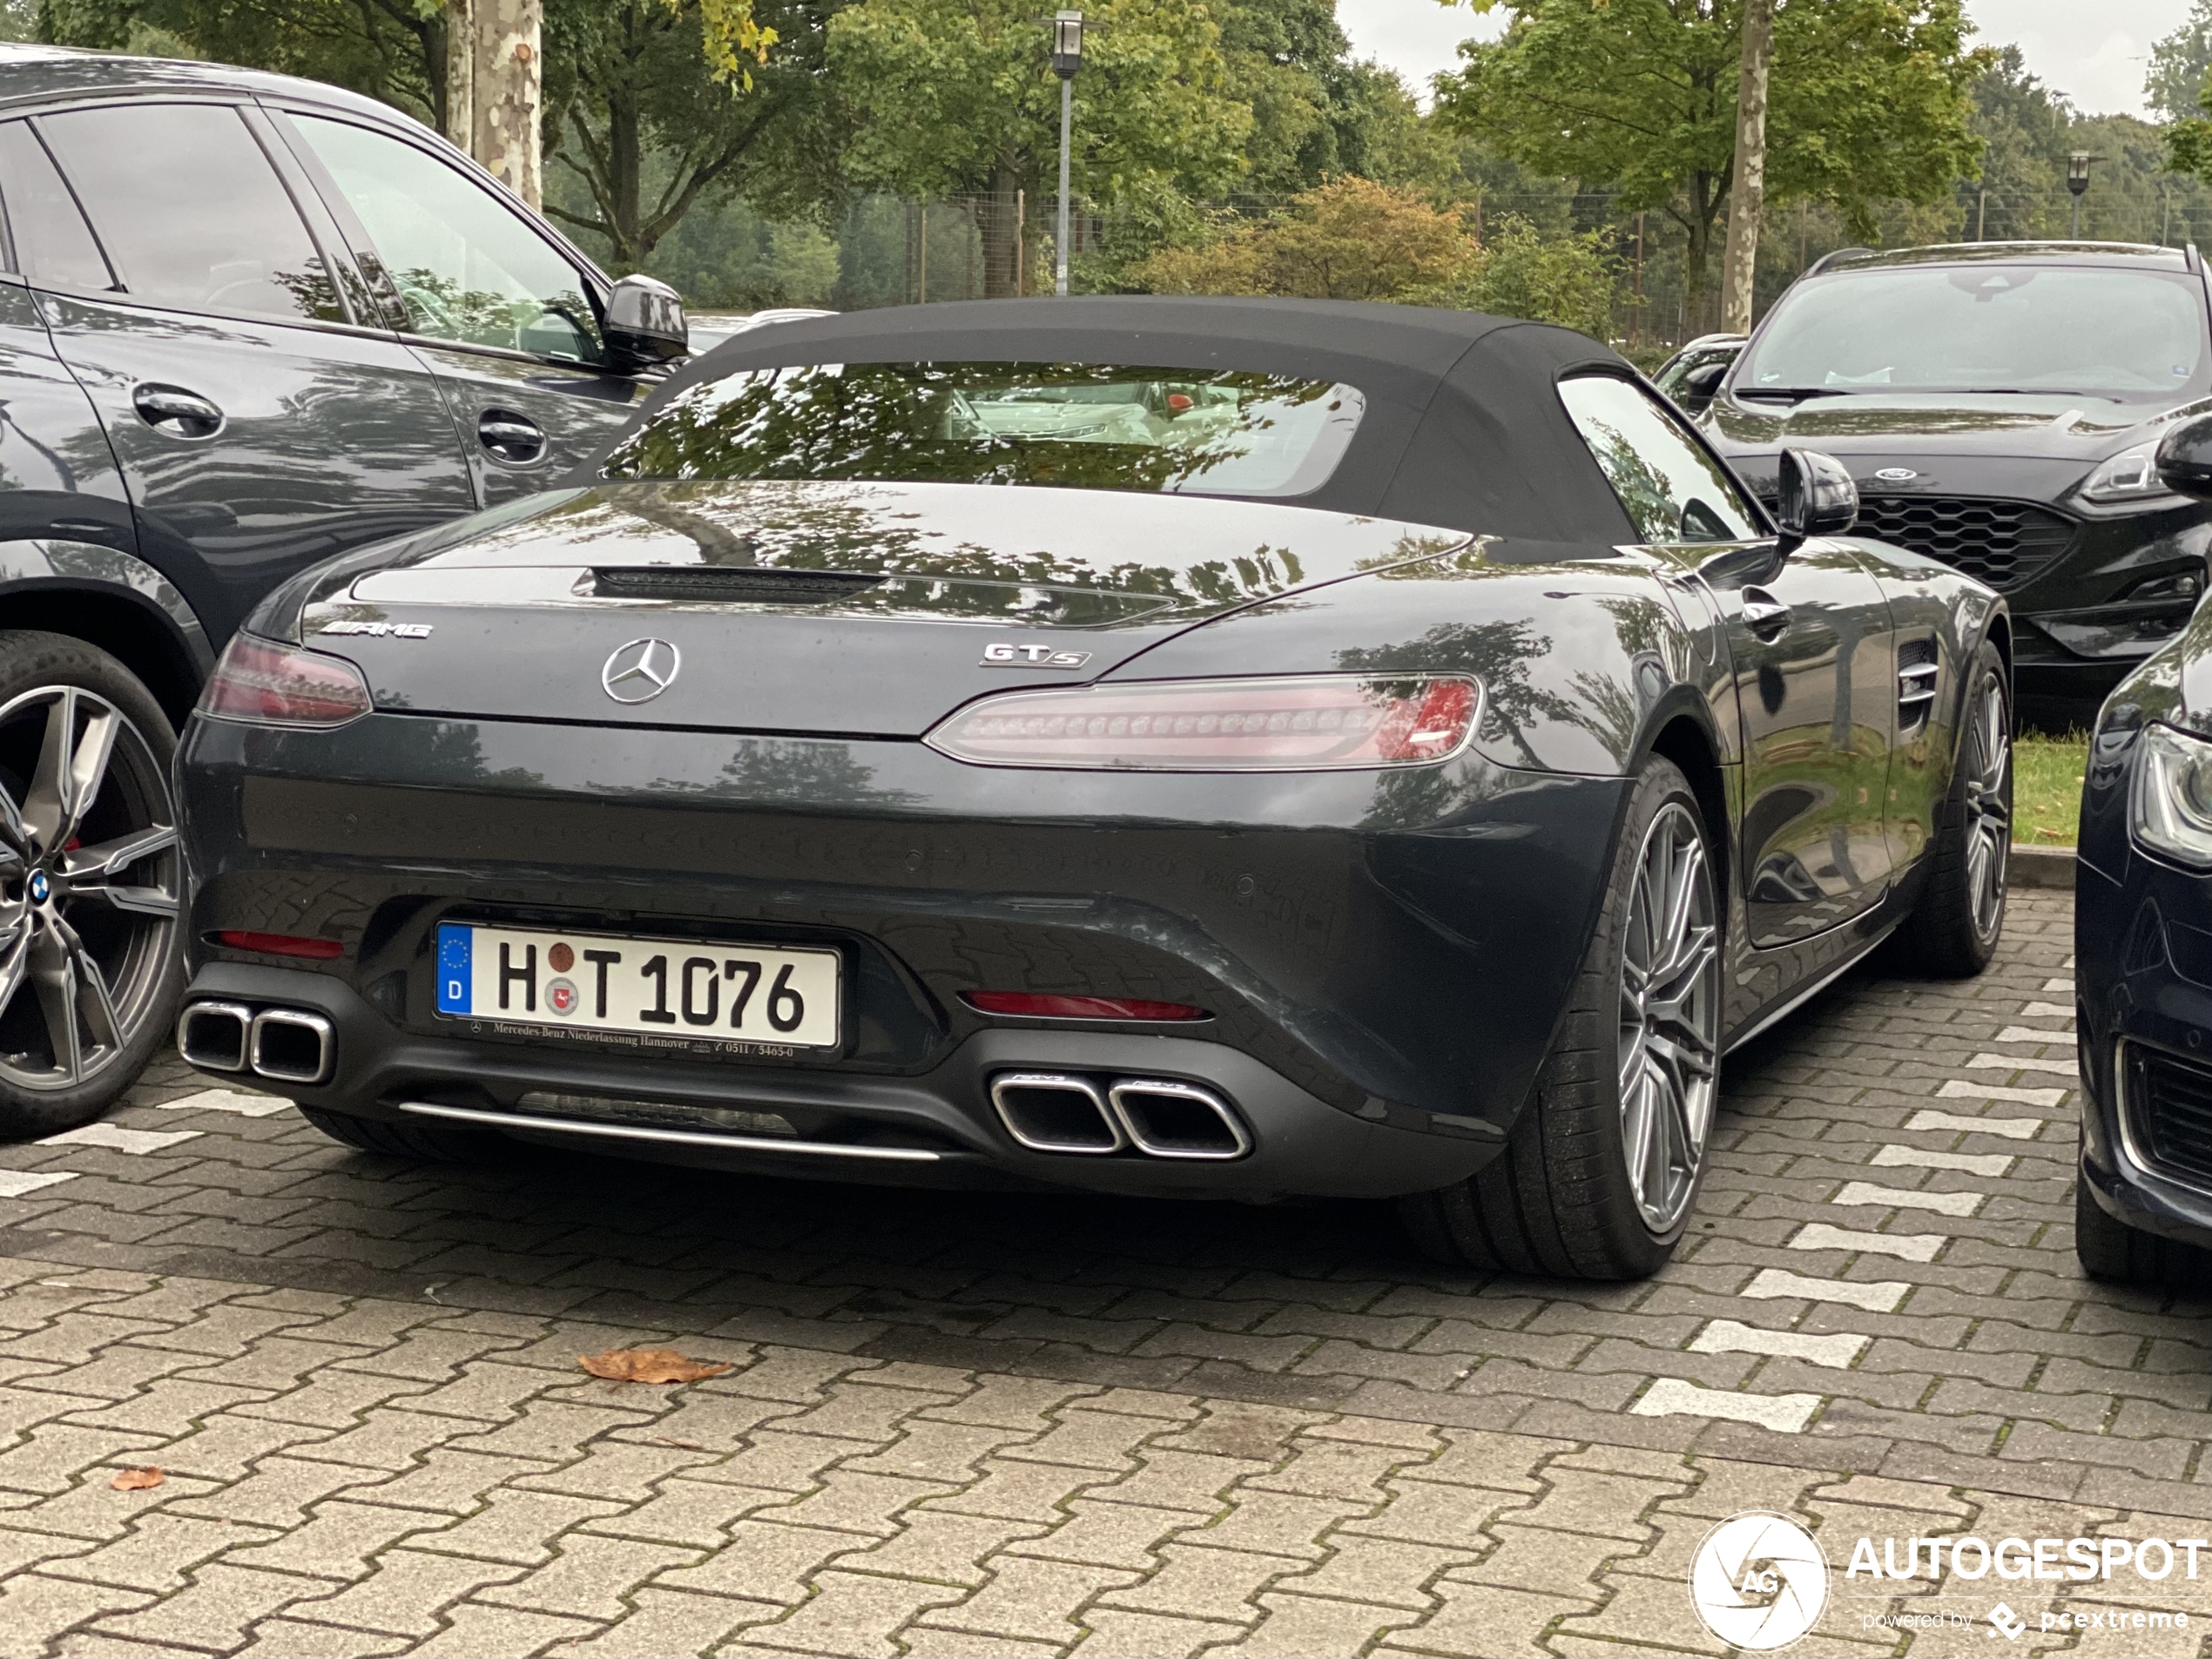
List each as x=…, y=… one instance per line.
x=1037, y=1425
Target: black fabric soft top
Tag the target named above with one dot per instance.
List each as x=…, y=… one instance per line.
x=1463, y=426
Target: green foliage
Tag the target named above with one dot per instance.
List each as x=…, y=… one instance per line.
x=1571, y=280
x=2179, y=63
x=1348, y=240
x=1868, y=102
x=960, y=95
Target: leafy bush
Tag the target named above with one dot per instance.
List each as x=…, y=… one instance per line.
x=1520, y=271
x=1351, y=238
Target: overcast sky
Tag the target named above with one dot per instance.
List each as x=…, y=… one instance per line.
x=2093, y=50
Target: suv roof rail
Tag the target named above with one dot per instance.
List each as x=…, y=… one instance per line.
x=1827, y=260
x=2192, y=261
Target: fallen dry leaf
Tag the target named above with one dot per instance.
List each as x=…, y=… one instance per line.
x=138, y=1479
x=647, y=1366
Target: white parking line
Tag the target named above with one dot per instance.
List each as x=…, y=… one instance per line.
x=16, y=1183
x=2029, y=1033
x=1726, y=1335
x=1672, y=1397
x=1877, y=1296
x=227, y=1100
x=2013, y=1128
x=2010, y=1062
x=2047, y=1011
x=136, y=1143
x=1906, y=1247
x=2058, y=984
x=1959, y=1089
x=1858, y=1194
x=1911, y=1157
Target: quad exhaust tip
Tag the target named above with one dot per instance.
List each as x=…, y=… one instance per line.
x=1052, y=1111
x=285, y=1045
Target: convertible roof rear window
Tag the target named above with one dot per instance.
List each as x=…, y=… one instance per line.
x=1081, y=426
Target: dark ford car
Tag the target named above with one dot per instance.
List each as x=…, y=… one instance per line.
x=1214, y=748
x=1997, y=403
x=245, y=323
x=2143, y=951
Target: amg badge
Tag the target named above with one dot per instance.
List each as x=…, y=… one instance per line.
x=379, y=630
x=1004, y=656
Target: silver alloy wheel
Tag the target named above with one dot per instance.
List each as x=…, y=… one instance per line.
x=90, y=874
x=1670, y=1052
x=1988, y=806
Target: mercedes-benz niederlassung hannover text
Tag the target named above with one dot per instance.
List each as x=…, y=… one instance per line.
x=1208, y=748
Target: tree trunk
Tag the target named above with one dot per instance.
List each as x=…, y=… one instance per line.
x=625, y=187
x=1002, y=234
x=510, y=94
x=457, y=111
x=1747, y=197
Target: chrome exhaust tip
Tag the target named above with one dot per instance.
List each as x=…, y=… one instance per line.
x=212, y=1036
x=1173, y=1120
x=291, y=1045
x=1049, y=1111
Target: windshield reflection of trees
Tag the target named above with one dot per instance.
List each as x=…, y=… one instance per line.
x=1087, y=426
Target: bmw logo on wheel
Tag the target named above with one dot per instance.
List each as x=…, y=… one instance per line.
x=38, y=886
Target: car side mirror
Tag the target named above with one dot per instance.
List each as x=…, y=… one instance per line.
x=2185, y=459
x=645, y=326
x=1815, y=496
x=1705, y=380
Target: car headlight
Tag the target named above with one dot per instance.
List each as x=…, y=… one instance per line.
x=2131, y=475
x=1291, y=722
x=2171, y=812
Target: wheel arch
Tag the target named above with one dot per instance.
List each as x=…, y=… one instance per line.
x=1682, y=732
x=130, y=628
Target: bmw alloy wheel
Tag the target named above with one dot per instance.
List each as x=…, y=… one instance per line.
x=1670, y=1049
x=1988, y=804
x=90, y=874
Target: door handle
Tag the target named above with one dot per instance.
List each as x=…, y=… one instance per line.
x=510, y=436
x=172, y=406
x=1763, y=614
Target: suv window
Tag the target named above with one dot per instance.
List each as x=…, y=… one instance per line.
x=190, y=212
x=1672, y=490
x=54, y=248
x=467, y=269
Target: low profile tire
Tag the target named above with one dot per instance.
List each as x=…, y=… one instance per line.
x=2114, y=1251
x=90, y=882
x=1954, y=927
x=420, y=1142
x=1601, y=1174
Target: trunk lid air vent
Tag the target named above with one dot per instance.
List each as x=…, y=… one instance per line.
x=726, y=584
x=1916, y=684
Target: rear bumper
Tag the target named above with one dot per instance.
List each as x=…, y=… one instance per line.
x=1385, y=957
x=934, y=1129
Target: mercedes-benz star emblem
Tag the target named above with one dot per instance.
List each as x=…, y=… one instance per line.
x=640, y=671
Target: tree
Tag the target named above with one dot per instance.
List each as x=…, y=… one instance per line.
x=2179, y=63
x=652, y=106
x=960, y=100
x=1747, y=186
x=1347, y=239
x=1868, y=103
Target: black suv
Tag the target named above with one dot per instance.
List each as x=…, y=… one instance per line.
x=246, y=322
x=1998, y=403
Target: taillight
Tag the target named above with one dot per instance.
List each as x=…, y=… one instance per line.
x=1034, y=1005
x=320, y=950
x=267, y=684
x=1306, y=723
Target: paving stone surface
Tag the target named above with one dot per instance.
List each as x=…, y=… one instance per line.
x=985, y=1426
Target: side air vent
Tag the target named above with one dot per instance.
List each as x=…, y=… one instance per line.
x=1916, y=684
x=729, y=585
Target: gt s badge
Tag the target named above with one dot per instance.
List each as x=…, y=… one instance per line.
x=1004, y=656
x=379, y=630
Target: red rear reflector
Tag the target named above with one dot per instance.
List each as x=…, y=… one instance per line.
x=1036, y=1006
x=265, y=684
x=322, y=950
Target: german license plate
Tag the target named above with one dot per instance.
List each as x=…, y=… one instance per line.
x=680, y=988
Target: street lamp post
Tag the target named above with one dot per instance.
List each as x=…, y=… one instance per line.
x=1066, y=58
x=2077, y=180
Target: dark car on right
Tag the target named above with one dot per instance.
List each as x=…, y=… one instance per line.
x=1998, y=404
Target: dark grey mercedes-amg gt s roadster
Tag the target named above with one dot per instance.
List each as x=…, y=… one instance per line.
x=1218, y=748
